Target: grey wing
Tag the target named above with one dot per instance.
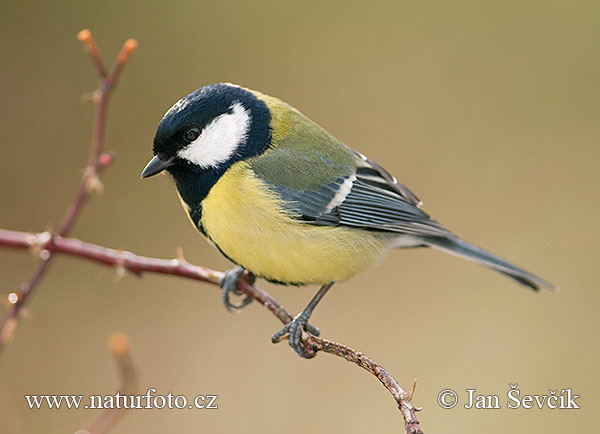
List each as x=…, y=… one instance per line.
x=363, y=195
x=378, y=201
x=369, y=198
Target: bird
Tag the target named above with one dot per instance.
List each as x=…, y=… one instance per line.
x=286, y=201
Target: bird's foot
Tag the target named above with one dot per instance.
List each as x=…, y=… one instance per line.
x=296, y=334
x=229, y=283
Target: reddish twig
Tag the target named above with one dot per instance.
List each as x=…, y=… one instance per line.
x=46, y=245
x=120, y=259
x=85, y=36
x=90, y=181
x=108, y=417
x=403, y=399
x=124, y=260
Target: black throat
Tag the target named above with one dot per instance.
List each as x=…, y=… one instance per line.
x=193, y=187
x=194, y=182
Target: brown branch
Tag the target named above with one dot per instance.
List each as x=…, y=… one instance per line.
x=46, y=245
x=402, y=398
x=90, y=181
x=106, y=419
x=124, y=260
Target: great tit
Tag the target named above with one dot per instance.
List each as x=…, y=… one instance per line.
x=288, y=202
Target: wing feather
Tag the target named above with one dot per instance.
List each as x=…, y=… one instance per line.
x=320, y=190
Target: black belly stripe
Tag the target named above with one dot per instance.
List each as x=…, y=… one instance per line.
x=196, y=216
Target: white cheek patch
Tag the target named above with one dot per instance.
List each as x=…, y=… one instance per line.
x=220, y=139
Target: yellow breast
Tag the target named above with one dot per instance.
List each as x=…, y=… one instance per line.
x=248, y=223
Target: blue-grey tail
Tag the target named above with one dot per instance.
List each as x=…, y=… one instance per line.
x=456, y=246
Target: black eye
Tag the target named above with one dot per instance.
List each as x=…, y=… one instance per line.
x=191, y=134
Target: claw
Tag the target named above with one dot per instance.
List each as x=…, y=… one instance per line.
x=229, y=283
x=296, y=329
x=296, y=335
x=277, y=336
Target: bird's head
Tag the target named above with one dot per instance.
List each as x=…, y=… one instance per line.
x=209, y=130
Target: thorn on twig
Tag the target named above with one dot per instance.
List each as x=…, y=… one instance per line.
x=412, y=391
x=408, y=397
x=119, y=273
x=179, y=255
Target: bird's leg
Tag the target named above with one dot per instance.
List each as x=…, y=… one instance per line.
x=229, y=283
x=300, y=323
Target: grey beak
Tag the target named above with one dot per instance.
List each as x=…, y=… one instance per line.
x=156, y=165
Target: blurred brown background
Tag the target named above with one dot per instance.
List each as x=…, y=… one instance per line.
x=487, y=110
